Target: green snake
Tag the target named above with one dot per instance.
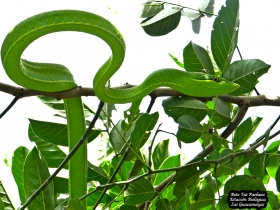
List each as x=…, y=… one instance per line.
x=55, y=77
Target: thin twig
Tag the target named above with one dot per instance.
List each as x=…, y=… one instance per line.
x=150, y=149
x=178, y=141
x=176, y=169
x=203, y=12
x=128, y=145
x=239, y=52
x=113, y=200
x=65, y=161
x=152, y=102
x=235, y=122
x=268, y=130
x=18, y=96
x=110, y=180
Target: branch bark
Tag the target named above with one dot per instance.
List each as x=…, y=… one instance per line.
x=260, y=100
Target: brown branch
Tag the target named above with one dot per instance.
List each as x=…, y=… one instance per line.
x=18, y=96
x=260, y=100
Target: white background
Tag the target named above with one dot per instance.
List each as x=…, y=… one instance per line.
x=84, y=54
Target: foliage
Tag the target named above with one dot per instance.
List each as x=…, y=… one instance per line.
x=128, y=176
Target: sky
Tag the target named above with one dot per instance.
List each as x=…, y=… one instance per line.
x=83, y=54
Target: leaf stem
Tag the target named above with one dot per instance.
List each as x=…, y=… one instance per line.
x=109, y=181
x=203, y=12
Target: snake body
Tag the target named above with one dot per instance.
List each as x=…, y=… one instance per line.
x=55, y=77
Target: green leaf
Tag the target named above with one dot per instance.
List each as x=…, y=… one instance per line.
x=163, y=204
x=75, y=204
x=168, y=192
x=245, y=73
x=139, y=192
x=272, y=163
x=197, y=5
x=35, y=174
x=181, y=193
x=266, y=178
x=257, y=166
x=170, y=162
x=17, y=169
x=106, y=114
x=149, y=10
x=272, y=201
x=242, y=161
x=196, y=23
x=122, y=131
x=62, y=205
x=208, y=180
x=206, y=197
x=244, y=131
x=189, y=129
x=246, y=171
x=243, y=182
x=55, y=133
x=162, y=23
x=277, y=178
x=224, y=35
x=2, y=205
x=176, y=61
x=52, y=154
x=5, y=201
x=60, y=185
x=53, y=103
x=136, y=169
x=131, y=115
x=218, y=142
x=273, y=147
x=186, y=179
x=218, y=113
x=196, y=59
x=142, y=130
x=228, y=168
x=118, y=136
x=58, y=105
x=223, y=204
x=210, y=8
x=92, y=199
x=118, y=203
x=188, y=176
x=128, y=207
x=160, y=153
x=125, y=169
x=176, y=107
x=97, y=174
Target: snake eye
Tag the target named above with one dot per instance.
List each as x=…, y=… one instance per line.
x=216, y=79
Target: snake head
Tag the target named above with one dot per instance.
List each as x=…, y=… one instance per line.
x=212, y=84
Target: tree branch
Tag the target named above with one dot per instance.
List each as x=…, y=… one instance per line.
x=260, y=100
